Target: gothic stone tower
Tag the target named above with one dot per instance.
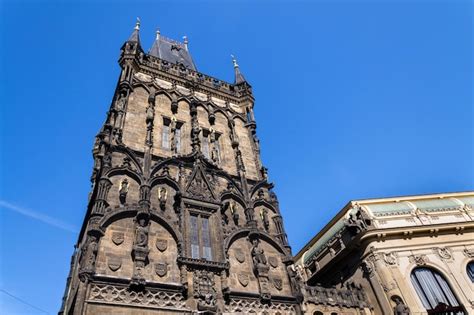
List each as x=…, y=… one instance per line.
x=181, y=217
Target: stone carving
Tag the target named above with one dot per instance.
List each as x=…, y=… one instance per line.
x=162, y=197
x=368, y=268
x=161, y=244
x=89, y=254
x=141, y=233
x=120, y=103
x=118, y=238
x=419, y=260
x=258, y=254
x=173, y=140
x=243, y=306
x=204, y=290
x=468, y=252
x=239, y=255
x=149, y=298
x=214, y=145
x=296, y=279
x=264, y=217
x=199, y=188
x=114, y=263
x=233, y=211
x=277, y=283
x=358, y=222
x=390, y=259
x=161, y=269
x=273, y=261
x=244, y=279
x=123, y=191
x=443, y=252
x=400, y=307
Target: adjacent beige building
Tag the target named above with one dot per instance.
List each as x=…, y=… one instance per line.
x=410, y=255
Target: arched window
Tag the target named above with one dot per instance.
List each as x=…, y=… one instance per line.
x=318, y=313
x=470, y=270
x=435, y=293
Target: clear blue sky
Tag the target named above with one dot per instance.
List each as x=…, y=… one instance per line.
x=354, y=99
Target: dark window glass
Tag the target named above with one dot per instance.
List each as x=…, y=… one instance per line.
x=435, y=293
x=206, y=240
x=178, y=139
x=194, y=237
x=470, y=270
x=166, y=137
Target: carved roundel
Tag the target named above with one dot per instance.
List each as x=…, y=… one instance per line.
x=273, y=261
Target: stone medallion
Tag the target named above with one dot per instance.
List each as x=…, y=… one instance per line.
x=114, y=263
x=161, y=269
x=273, y=261
x=239, y=255
x=118, y=238
x=277, y=283
x=243, y=279
x=161, y=244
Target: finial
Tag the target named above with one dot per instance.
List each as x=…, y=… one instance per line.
x=158, y=33
x=137, y=25
x=185, y=41
x=234, y=61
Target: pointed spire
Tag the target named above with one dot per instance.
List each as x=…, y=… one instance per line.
x=239, y=78
x=185, y=41
x=155, y=48
x=135, y=37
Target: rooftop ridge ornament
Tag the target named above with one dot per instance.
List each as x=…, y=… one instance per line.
x=234, y=61
x=185, y=41
x=137, y=24
x=157, y=34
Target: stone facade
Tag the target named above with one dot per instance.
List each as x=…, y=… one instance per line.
x=181, y=217
x=381, y=245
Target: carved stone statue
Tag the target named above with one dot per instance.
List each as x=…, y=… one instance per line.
x=235, y=214
x=214, y=148
x=91, y=252
x=357, y=222
x=162, y=197
x=400, y=307
x=173, y=126
x=264, y=217
x=150, y=114
x=120, y=103
x=141, y=233
x=123, y=191
x=258, y=254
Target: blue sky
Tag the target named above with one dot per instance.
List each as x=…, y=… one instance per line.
x=354, y=99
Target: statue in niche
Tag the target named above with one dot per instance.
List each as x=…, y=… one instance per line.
x=91, y=252
x=400, y=307
x=258, y=254
x=123, y=191
x=233, y=211
x=150, y=114
x=264, y=217
x=120, y=103
x=141, y=233
x=213, y=142
x=162, y=197
x=173, y=142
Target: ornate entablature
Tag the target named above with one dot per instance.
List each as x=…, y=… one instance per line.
x=181, y=217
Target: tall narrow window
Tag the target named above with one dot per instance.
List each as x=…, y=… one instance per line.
x=200, y=237
x=470, y=271
x=206, y=240
x=218, y=148
x=205, y=144
x=194, y=237
x=166, y=137
x=249, y=116
x=435, y=293
x=178, y=139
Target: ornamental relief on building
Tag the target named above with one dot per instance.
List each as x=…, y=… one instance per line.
x=118, y=238
x=419, y=260
x=390, y=259
x=114, y=263
x=443, y=252
x=161, y=244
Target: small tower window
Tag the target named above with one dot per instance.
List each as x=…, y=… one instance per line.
x=249, y=116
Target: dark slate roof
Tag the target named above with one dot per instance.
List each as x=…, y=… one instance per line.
x=239, y=77
x=135, y=37
x=172, y=51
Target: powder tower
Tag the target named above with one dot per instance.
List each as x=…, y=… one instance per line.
x=181, y=216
